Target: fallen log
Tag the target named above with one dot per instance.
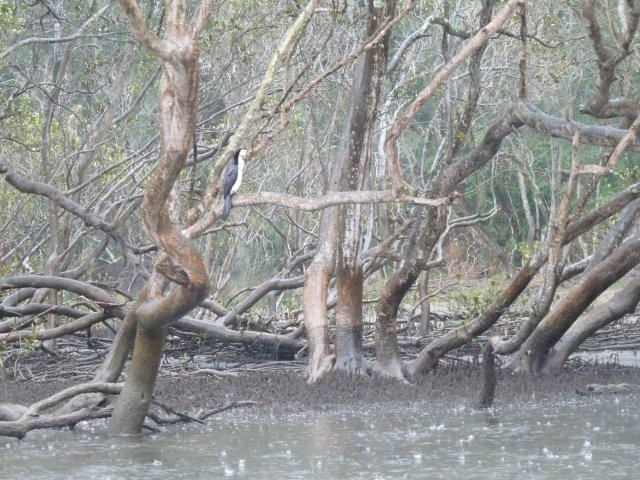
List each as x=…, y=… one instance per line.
x=610, y=389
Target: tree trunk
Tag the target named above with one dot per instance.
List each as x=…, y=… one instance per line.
x=349, y=328
x=534, y=350
x=177, y=261
x=622, y=303
x=489, y=376
x=356, y=150
x=314, y=297
x=432, y=353
x=427, y=233
x=425, y=304
x=134, y=400
x=387, y=353
x=417, y=252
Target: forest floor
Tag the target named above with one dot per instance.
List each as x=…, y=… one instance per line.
x=279, y=388
x=205, y=374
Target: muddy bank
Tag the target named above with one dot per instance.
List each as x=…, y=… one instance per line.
x=285, y=392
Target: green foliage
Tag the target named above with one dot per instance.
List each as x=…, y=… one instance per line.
x=526, y=250
x=468, y=304
x=24, y=123
x=10, y=23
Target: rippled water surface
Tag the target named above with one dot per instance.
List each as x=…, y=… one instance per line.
x=586, y=438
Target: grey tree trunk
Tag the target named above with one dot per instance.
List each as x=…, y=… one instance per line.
x=533, y=352
x=622, y=303
x=356, y=150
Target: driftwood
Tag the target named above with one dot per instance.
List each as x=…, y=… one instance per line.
x=10, y=412
x=615, y=389
x=18, y=420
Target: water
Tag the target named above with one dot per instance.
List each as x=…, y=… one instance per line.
x=589, y=437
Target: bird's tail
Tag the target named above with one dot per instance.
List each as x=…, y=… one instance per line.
x=227, y=207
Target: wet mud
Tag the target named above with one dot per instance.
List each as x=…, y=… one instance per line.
x=286, y=392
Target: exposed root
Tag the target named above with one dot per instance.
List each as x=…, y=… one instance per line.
x=319, y=367
x=200, y=417
x=354, y=366
x=394, y=371
x=17, y=420
x=34, y=417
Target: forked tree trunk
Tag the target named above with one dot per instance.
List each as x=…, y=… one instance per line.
x=356, y=150
x=418, y=251
x=339, y=243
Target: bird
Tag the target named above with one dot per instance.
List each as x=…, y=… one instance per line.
x=233, y=179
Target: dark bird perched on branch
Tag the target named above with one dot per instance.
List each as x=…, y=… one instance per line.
x=233, y=179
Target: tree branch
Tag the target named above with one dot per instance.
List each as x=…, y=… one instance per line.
x=479, y=39
x=69, y=38
x=139, y=27
x=26, y=185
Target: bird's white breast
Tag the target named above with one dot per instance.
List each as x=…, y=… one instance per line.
x=236, y=185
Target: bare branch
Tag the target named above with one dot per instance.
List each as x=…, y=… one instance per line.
x=258, y=293
x=80, y=324
x=479, y=39
x=565, y=128
x=139, y=27
x=410, y=40
x=98, y=295
x=79, y=34
x=26, y=185
x=328, y=200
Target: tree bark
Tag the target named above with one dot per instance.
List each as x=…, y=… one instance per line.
x=314, y=297
x=432, y=353
x=178, y=261
x=356, y=149
x=622, y=303
x=134, y=400
x=533, y=352
x=425, y=304
x=489, y=376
